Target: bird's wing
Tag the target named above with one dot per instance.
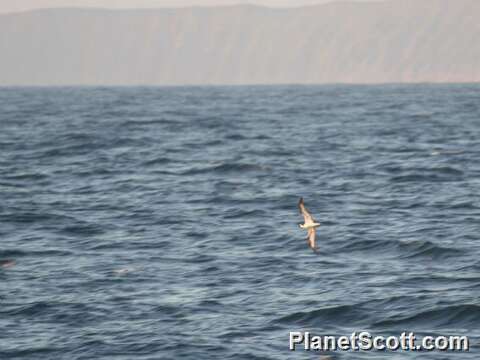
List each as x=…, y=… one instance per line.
x=311, y=238
x=303, y=210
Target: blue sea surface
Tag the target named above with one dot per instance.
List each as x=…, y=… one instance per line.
x=162, y=223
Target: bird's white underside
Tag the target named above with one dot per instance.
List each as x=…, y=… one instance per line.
x=309, y=226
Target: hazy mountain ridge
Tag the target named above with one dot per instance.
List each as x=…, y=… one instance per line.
x=397, y=41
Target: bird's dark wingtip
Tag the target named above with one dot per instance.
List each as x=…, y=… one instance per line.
x=300, y=203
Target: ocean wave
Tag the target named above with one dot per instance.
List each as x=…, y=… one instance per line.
x=239, y=213
x=228, y=168
x=157, y=161
x=454, y=316
x=83, y=229
x=56, y=312
x=53, y=352
x=422, y=248
x=417, y=177
x=425, y=174
x=405, y=249
x=335, y=315
x=45, y=253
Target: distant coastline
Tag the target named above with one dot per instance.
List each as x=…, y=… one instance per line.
x=399, y=41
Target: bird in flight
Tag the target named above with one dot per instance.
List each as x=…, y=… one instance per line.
x=309, y=224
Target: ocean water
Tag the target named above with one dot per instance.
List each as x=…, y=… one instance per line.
x=161, y=223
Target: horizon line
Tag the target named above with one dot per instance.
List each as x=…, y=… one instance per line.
x=197, y=6
x=239, y=85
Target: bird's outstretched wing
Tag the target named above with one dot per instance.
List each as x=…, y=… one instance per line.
x=311, y=238
x=306, y=214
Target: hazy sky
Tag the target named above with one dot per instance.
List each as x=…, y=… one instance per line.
x=21, y=5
